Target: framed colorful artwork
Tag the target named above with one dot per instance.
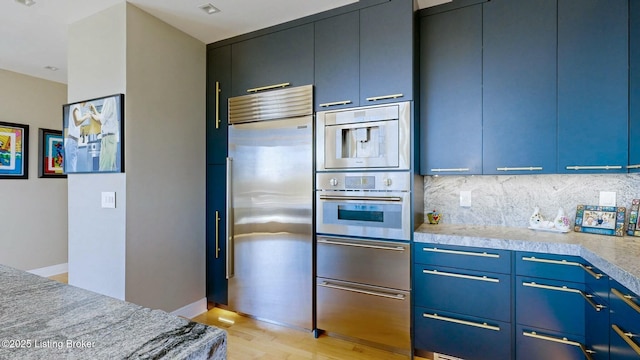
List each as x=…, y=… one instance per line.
x=51, y=155
x=93, y=132
x=14, y=155
x=603, y=220
x=632, y=227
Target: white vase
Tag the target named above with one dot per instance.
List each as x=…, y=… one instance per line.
x=561, y=222
x=536, y=220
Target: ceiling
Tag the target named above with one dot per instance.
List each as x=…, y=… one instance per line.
x=34, y=37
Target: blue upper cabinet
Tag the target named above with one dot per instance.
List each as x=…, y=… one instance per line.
x=337, y=57
x=634, y=86
x=592, y=86
x=218, y=91
x=277, y=58
x=519, y=87
x=386, y=52
x=451, y=92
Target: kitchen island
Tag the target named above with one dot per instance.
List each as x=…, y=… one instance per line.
x=616, y=256
x=45, y=319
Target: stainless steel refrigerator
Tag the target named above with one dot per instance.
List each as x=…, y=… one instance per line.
x=270, y=205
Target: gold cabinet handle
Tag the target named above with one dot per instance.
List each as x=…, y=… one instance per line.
x=635, y=166
x=217, y=234
x=627, y=300
x=335, y=103
x=461, y=276
x=626, y=336
x=461, y=322
x=268, y=87
x=533, y=334
x=586, y=268
x=524, y=168
x=458, y=252
x=451, y=170
x=385, y=97
x=217, y=105
x=589, y=167
x=587, y=297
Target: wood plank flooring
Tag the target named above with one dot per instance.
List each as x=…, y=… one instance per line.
x=250, y=339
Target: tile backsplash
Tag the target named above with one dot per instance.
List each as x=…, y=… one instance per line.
x=509, y=200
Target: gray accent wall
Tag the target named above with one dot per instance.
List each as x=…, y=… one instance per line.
x=150, y=250
x=33, y=212
x=510, y=200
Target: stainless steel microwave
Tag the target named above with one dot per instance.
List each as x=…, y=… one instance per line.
x=365, y=138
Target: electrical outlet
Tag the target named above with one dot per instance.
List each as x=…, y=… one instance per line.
x=465, y=198
x=607, y=198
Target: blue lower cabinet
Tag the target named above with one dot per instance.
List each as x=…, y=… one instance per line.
x=470, y=338
x=552, y=305
x=624, y=331
x=597, y=327
x=539, y=344
x=437, y=286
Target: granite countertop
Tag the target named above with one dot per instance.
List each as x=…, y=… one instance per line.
x=618, y=257
x=45, y=319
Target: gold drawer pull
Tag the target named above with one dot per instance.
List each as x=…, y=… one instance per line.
x=268, y=87
x=462, y=322
x=458, y=252
x=335, y=103
x=523, y=168
x=584, y=267
x=627, y=300
x=461, y=276
x=627, y=338
x=385, y=97
x=533, y=334
x=586, y=297
x=451, y=170
x=605, y=167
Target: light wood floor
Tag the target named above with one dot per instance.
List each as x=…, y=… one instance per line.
x=250, y=339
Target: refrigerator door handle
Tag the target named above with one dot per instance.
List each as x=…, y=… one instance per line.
x=230, y=252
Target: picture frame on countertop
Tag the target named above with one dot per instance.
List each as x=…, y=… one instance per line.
x=14, y=151
x=602, y=220
x=93, y=132
x=51, y=154
x=632, y=226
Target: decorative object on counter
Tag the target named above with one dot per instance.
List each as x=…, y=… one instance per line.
x=561, y=222
x=603, y=220
x=14, y=145
x=536, y=220
x=433, y=217
x=632, y=228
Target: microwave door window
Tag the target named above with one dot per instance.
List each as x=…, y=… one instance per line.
x=359, y=213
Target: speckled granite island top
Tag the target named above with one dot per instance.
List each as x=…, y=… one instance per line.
x=618, y=257
x=45, y=319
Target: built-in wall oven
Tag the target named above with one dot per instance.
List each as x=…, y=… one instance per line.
x=364, y=224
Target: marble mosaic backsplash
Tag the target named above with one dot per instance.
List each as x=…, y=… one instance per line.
x=508, y=200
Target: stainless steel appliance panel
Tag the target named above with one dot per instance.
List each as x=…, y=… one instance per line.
x=371, y=137
x=370, y=313
x=270, y=205
x=380, y=263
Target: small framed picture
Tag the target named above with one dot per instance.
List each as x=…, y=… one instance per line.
x=51, y=155
x=632, y=227
x=603, y=220
x=14, y=154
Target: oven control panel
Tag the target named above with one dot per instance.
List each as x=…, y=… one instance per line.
x=382, y=181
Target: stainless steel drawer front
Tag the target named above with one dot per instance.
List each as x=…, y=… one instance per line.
x=381, y=263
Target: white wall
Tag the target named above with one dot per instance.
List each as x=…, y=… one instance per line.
x=97, y=67
x=33, y=211
x=166, y=73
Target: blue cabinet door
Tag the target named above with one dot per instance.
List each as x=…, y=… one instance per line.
x=634, y=86
x=625, y=323
x=519, y=86
x=451, y=92
x=386, y=52
x=538, y=344
x=218, y=91
x=281, y=57
x=337, y=57
x=592, y=86
x=216, y=230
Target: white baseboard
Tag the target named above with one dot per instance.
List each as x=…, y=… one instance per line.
x=51, y=270
x=192, y=310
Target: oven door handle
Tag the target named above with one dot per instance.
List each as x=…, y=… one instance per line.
x=367, y=246
x=362, y=198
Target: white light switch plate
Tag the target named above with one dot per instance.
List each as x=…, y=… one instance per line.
x=465, y=198
x=108, y=200
x=607, y=198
